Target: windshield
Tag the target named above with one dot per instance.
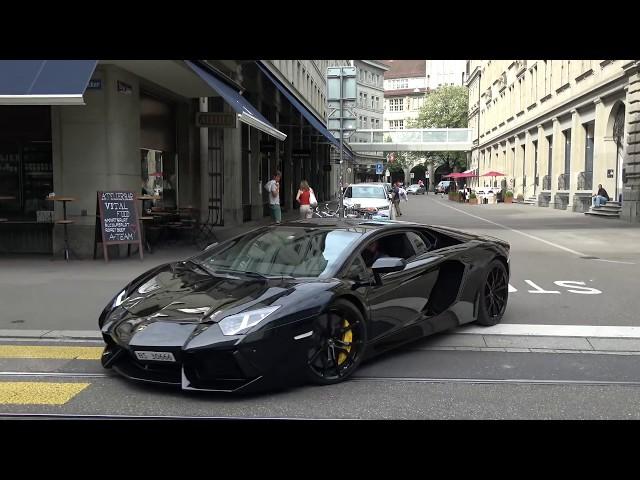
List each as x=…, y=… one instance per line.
x=294, y=251
x=365, y=192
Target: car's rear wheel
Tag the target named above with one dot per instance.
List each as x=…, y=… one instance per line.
x=338, y=343
x=493, y=294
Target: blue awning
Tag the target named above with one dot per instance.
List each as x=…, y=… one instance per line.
x=247, y=113
x=44, y=82
x=311, y=118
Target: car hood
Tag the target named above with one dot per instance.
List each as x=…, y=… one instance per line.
x=184, y=291
x=367, y=202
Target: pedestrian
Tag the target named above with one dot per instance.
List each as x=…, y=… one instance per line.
x=396, y=198
x=307, y=200
x=600, y=198
x=273, y=187
x=467, y=193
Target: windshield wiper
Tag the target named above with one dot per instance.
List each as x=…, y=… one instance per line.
x=253, y=274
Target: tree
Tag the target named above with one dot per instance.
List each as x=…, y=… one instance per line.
x=446, y=107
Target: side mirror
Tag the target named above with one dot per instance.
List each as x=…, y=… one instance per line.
x=387, y=265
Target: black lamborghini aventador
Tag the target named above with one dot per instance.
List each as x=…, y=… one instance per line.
x=306, y=300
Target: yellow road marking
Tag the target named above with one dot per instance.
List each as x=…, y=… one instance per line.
x=39, y=393
x=31, y=351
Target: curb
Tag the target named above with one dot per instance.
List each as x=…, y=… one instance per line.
x=52, y=334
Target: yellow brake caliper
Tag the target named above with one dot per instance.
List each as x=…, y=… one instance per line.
x=348, y=338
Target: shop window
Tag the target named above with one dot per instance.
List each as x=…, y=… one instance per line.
x=26, y=168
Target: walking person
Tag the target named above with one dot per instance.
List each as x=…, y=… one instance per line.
x=307, y=200
x=396, y=198
x=273, y=187
x=600, y=198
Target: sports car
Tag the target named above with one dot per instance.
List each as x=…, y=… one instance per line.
x=302, y=301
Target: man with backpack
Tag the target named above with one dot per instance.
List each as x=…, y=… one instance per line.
x=273, y=187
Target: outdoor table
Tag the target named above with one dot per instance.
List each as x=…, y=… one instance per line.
x=6, y=197
x=64, y=221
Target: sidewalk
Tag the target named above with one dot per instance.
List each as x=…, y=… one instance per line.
x=39, y=293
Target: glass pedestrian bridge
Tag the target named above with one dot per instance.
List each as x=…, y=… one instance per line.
x=412, y=140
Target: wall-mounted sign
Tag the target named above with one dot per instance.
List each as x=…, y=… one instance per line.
x=95, y=84
x=267, y=146
x=297, y=153
x=216, y=119
x=610, y=173
x=124, y=88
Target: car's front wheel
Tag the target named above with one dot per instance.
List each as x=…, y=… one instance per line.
x=493, y=294
x=337, y=344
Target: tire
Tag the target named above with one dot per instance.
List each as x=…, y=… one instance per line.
x=494, y=293
x=336, y=348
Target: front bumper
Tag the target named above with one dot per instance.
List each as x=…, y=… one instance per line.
x=206, y=360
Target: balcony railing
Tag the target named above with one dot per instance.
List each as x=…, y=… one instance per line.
x=546, y=182
x=413, y=135
x=564, y=181
x=585, y=181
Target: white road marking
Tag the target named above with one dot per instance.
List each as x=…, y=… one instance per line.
x=518, y=231
x=582, y=291
x=613, y=261
x=553, y=330
x=538, y=289
x=512, y=289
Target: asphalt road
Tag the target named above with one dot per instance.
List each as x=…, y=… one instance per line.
x=409, y=384
x=549, y=246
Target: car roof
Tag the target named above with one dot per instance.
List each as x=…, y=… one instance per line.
x=346, y=223
x=372, y=184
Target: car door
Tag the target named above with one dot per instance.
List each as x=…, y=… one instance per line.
x=402, y=297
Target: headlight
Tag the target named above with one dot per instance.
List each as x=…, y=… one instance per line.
x=241, y=322
x=120, y=298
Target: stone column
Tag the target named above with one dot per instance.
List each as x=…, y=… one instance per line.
x=542, y=157
x=631, y=166
x=557, y=157
x=577, y=155
x=602, y=157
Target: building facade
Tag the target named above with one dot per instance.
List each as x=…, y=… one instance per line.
x=445, y=72
x=137, y=125
x=557, y=129
x=405, y=86
x=369, y=112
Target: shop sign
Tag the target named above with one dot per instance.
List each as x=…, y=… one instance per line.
x=124, y=88
x=267, y=146
x=95, y=84
x=216, y=119
x=610, y=173
x=298, y=153
x=117, y=220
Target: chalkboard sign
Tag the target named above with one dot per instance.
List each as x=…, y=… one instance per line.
x=117, y=220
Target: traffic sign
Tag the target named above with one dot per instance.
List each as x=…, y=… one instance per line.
x=412, y=175
x=379, y=169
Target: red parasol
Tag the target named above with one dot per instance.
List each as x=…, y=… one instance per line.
x=493, y=174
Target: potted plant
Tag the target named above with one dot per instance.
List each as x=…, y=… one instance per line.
x=520, y=198
x=473, y=199
x=508, y=196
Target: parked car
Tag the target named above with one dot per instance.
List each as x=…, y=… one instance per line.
x=370, y=195
x=444, y=186
x=415, y=189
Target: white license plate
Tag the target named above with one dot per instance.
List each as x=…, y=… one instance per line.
x=156, y=356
